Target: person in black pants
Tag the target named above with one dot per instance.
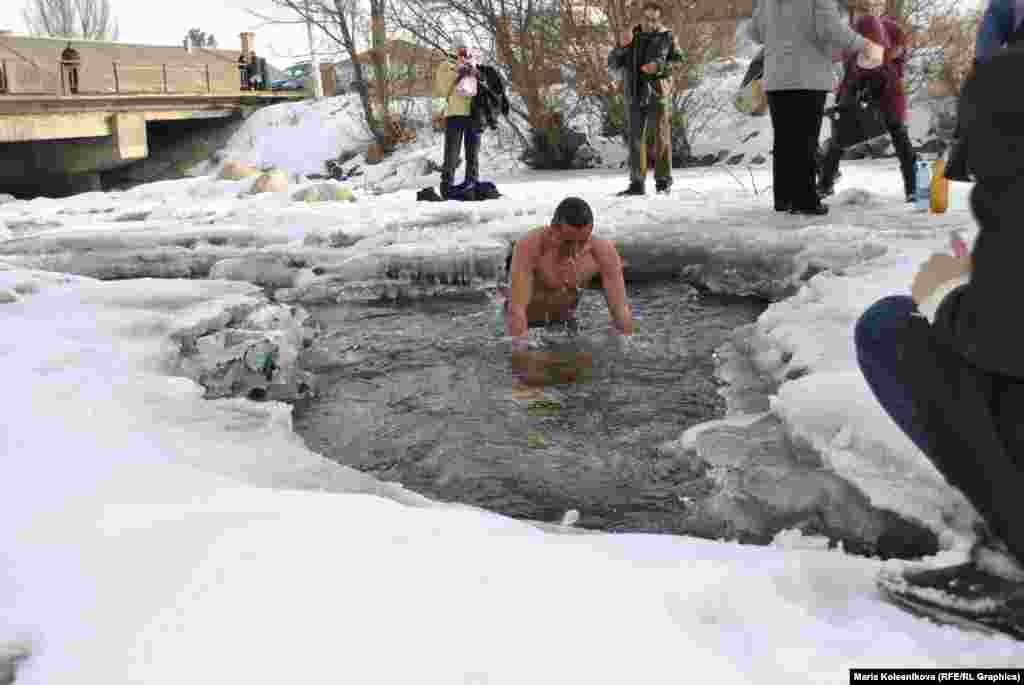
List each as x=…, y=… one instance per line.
x=800, y=38
x=870, y=102
x=945, y=363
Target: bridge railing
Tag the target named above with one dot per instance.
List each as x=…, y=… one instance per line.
x=20, y=77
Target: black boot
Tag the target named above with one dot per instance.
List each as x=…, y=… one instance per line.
x=662, y=185
x=829, y=169
x=633, y=189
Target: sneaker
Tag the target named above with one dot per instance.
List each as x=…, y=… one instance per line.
x=633, y=189
x=964, y=589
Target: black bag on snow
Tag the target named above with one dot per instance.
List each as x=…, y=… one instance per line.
x=473, y=191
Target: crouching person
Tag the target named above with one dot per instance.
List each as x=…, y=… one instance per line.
x=946, y=365
x=881, y=88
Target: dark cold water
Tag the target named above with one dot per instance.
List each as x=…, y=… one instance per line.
x=423, y=394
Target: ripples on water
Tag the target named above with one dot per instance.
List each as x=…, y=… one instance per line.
x=423, y=394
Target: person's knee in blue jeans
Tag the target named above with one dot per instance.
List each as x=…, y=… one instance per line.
x=877, y=340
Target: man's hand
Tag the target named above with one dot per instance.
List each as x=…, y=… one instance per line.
x=939, y=269
x=649, y=68
x=625, y=38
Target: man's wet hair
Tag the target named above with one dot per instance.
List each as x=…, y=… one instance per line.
x=573, y=211
x=651, y=5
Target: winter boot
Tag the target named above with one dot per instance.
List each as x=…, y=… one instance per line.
x=985, y=593
x=633, y=189
x=662, y=185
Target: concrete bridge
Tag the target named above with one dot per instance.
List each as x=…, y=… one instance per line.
x=63, y=123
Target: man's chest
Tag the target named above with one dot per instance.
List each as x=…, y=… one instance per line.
x=558, y=271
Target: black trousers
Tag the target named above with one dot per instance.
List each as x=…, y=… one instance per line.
x=456, y=130
x=796, y=124
x=900, y=140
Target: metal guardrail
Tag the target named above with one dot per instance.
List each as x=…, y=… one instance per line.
x=125, y=79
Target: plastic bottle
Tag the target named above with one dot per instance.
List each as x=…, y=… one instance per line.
x=923, y=191
x=500, y=297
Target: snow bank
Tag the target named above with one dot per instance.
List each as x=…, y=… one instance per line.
x=152, y=536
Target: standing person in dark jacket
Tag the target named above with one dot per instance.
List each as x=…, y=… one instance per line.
x=800, y=38
x=1002, y=25
x=946, y=363
x=643, y=58
x=881, y=88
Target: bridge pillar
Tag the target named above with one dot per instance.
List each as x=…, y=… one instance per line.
x=130, y=141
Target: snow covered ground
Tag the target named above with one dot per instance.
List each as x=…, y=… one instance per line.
x=148, y=535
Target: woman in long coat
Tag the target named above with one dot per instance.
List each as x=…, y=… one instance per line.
x=800, y=38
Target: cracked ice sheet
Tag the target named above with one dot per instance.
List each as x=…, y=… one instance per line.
x=151, y=536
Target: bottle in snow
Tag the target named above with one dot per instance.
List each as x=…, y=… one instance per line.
x=923, y=191
x=500, y=300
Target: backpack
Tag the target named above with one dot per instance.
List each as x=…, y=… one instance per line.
x=471, y=191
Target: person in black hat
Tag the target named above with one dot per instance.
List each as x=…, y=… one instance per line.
x=946, y=364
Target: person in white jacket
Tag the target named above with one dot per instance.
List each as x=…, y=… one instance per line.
x=800, y=38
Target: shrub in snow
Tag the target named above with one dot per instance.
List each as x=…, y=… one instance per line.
x=236, y=171
x=272, y=181
x=325, y=192
x=555, y=145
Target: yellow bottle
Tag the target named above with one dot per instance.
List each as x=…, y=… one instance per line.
x=940, y=187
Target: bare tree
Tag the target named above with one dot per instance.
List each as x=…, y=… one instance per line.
x=201, y=39
x=89, y=19
x=338, y=21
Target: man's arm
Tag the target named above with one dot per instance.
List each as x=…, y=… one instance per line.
x=522, y=287
x=832, y=30
x=754, y=30
x=996, y=28
x=610, y=263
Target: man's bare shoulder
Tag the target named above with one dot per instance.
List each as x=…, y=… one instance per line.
x=603, y=248
x=529, y=245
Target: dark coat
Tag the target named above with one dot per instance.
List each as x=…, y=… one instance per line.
x=967, y=369
x=642, y=89
x=883, y=86
x=490, y=99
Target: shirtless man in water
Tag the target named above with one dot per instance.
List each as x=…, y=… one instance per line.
x=548, y=268
x=551, y=264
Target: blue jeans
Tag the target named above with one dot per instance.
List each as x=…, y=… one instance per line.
x=876, y=337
